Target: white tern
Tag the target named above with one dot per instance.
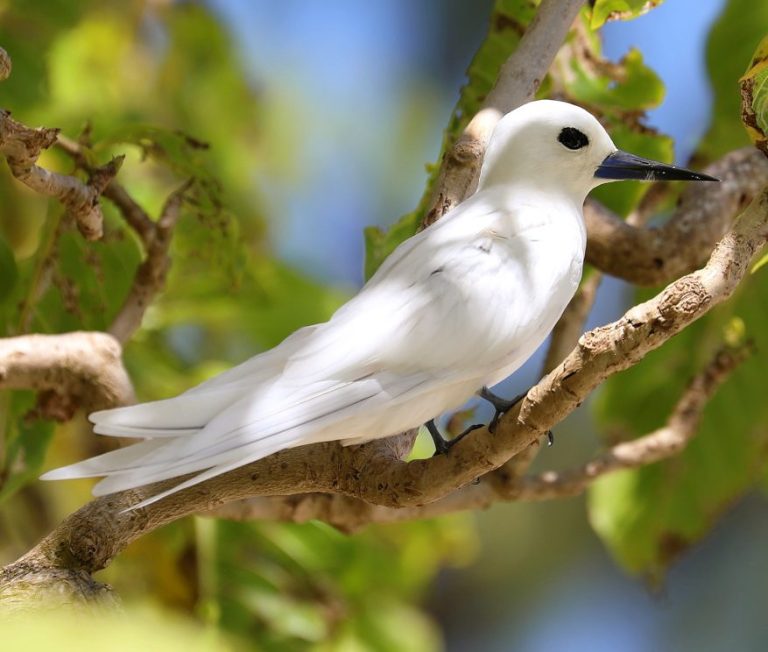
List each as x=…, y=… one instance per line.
x=455, y=308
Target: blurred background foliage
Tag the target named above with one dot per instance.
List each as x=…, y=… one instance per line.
x=172, y=86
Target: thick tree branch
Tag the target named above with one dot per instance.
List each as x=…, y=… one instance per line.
x=647, y=256
x=650, y=256
x=659, y=254
x=349, y=514
x=72, y=371
x=517, y=83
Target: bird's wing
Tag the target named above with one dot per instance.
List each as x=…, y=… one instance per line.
x=190, y=411
x=445, y=300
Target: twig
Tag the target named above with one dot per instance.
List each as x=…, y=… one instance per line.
x=22, y=146
x=155, y=236
x=665, y=442
x=134, y=215
x=150, y=275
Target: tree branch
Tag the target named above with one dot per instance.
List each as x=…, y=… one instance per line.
x=21, y=146
x=134, y=215
x=150, y=275
x=665, y=442
x=658, y=254
x=73, y=370
x=650, y=256
x=155, y=236
x=350, y=514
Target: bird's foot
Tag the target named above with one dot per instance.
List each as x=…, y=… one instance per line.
x=500, y=404
x=443, y=445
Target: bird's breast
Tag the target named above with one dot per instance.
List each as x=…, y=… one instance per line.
x=515, y=289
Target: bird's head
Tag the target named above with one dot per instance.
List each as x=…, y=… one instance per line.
x=556, y=147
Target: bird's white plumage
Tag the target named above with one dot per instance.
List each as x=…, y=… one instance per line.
x=460, y=305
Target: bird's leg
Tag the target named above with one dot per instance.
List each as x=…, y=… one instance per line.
x=502, y=405
x=443, y=445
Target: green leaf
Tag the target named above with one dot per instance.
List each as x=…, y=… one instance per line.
x=8, y=270
x=648, y=516
x=380, y=243
x=294, y=584
x=760, y=263
x=754, y=97
x=605, y=10
x=628, y=85
x=183, y=153
x=88, y=280
x=731, y=44
x=26, y=443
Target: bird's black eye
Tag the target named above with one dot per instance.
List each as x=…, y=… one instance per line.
x=572, y=138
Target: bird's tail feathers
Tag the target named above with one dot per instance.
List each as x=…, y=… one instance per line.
x=245, y=431
x=115, y=461
x=170, y=417
x=242, y=459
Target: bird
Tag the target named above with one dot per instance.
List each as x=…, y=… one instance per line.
x=451, y=312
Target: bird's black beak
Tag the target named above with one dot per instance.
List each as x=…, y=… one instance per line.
x=622, y=165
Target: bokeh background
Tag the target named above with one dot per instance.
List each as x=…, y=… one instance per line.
x=321, y=118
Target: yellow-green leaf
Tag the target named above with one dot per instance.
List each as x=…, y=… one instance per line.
x=754, y=97
x=605, y=10
x=760, y=263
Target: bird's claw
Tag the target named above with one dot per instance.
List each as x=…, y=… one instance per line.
x=443, y=445
x=500, y=404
